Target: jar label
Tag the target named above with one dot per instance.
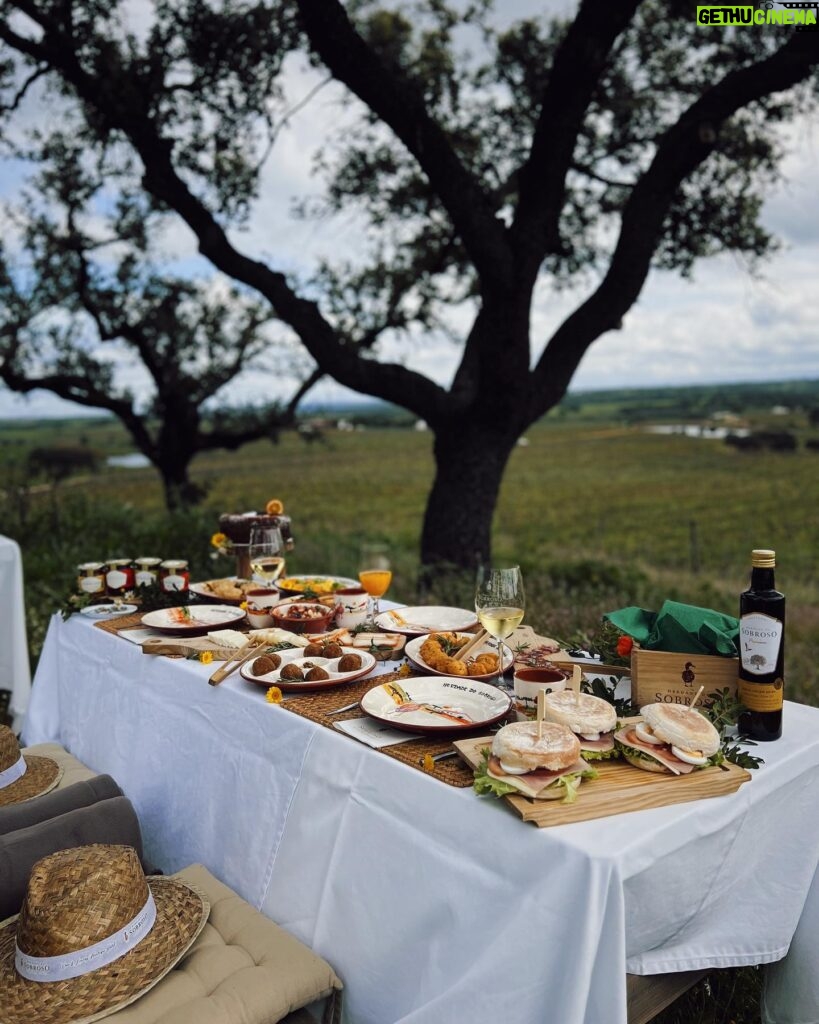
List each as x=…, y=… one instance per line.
x=145, y=578
x=175, y=583
x=116, y=580
x=762, y=696
x=90, y=584
x=760, y=637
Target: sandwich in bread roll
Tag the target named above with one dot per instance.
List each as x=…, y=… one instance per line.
x=545, y=767
x=592, y=719
x=671, y=738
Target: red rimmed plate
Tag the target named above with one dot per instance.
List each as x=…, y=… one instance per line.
x=296, y=655
x=190, y=620
x=436, y=704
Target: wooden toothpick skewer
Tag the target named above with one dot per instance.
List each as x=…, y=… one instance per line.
x=696, y=698
x=541, y=711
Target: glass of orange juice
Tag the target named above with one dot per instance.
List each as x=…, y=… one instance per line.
x=374, y=572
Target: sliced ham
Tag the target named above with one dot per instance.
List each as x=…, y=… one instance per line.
x=605, y=743
x=659, y=753
x=533, y=783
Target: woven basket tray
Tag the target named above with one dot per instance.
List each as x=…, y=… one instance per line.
x=453, y=772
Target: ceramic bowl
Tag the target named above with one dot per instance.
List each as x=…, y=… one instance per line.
x=303, y=617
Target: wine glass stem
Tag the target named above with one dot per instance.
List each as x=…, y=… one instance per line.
x=501, y=682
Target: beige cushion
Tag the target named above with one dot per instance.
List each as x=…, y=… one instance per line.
x=243, y=969
x=73, y=770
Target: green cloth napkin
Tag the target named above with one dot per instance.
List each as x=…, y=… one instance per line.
x=679, y=627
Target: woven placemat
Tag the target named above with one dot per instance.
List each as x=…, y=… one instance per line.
x=121, y=622
x=454, y=772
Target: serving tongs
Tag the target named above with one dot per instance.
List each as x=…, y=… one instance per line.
x=242, y=655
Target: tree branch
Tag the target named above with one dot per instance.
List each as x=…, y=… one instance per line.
x=116, y=100
x=400, y=105
x=79, y=389
x=681, y=150
x=574, y=76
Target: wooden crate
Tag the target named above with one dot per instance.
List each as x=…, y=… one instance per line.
x=671, y=678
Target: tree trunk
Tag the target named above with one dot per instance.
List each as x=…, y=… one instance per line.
x=180, y=491
x=470, y=460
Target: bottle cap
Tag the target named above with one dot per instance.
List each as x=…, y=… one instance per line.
x=763, y=558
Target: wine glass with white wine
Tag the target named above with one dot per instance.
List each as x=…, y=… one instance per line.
x=266, y=554
x=499, y=605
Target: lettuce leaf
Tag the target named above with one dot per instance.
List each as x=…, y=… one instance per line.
x=485, y=784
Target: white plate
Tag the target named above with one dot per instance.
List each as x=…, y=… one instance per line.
x=297, y=655
x=203, y=590
x=107, y=611
x=426, y=619
x=340, y=583
x=475, y=704
x=191, y=619
x=413, y=652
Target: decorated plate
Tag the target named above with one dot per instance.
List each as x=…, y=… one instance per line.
x=192, y=619
x=489, y=646
x=415, y=621
x=225, y=591
x=315, y=583
x=336, y=677
x=432, y=704
x=107, y=611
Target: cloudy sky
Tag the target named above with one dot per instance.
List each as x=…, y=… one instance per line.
x=722, y=326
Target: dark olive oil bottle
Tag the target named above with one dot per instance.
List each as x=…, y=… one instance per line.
x=762, y=651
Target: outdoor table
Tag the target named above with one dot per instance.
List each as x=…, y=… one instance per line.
x=14, y=668
x=432, y=904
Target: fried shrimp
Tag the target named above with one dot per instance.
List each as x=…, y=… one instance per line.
x=433, y=653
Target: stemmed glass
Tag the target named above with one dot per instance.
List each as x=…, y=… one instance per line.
x=499, y=605
x=266, y=554
x=374, y=572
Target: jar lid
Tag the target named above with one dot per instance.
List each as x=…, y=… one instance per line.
x=763, y=558
x=148, y=561
x=112, y=562
x=174, y=564
x=90, y=567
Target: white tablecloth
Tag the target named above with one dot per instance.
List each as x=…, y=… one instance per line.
x=432, y=904
x=15, y=674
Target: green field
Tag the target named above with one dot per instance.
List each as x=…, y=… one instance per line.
x=599, y=513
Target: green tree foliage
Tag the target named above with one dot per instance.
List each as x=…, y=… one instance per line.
x=485, y=159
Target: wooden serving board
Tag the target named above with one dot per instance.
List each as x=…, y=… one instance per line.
x=620, y=788
x=186, y=647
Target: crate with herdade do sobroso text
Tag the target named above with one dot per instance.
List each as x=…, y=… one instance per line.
x=670, y=678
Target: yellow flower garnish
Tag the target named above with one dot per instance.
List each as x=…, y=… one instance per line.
x=219, y=540
x=274, y=507
x=405, y=671
x=206, y=657
x=243, y=605
x=274, y=695
x=429, y=763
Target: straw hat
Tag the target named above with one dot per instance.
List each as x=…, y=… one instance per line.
x=23, y=777
x=92, y=905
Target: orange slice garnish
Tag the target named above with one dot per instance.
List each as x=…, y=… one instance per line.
x=274, y=507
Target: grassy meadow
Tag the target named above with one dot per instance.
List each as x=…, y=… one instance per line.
x=599, y=512
x=599, y=515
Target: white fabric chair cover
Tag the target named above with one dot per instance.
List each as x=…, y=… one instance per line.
x=15, y=674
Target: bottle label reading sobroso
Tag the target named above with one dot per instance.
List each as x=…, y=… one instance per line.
x=760, y=637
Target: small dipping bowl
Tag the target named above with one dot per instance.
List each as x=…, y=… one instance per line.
x=529, y=681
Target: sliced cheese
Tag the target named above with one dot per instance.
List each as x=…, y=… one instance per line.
x=228, y=638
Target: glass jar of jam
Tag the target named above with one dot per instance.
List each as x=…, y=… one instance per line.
x=91, y=578
x=174, y=575
x=147, y=571
x=120, y=576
